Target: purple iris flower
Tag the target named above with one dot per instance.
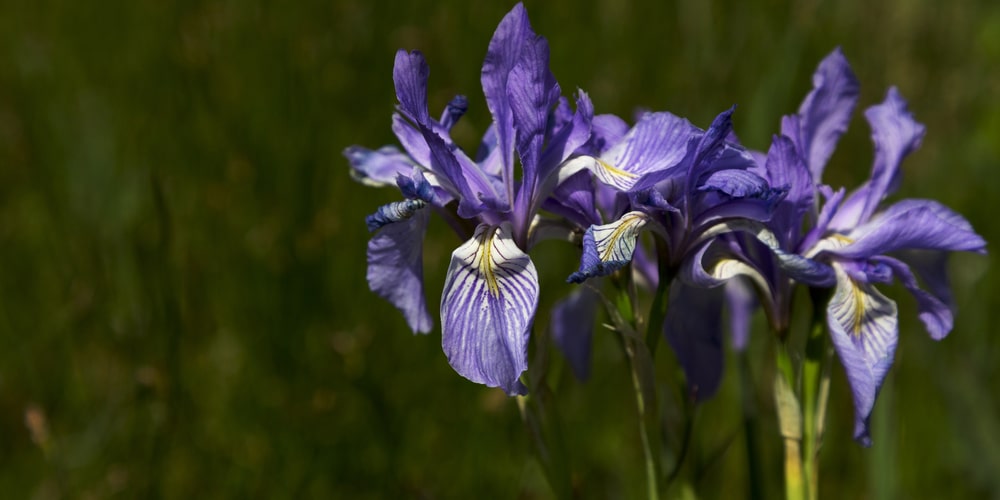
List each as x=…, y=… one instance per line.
x=858, y=240
x=491, y=289
x=688, y=187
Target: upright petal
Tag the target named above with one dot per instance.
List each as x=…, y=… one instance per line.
x=573, y=329
x=825, y=112
x=608, y=248
x=913, y=224
x=693, y=327
x=864, y=329
x=410, y=73
x=487, y=308
x=786, y=168
x=395, y=268
x=509, y=39
x=896, y=134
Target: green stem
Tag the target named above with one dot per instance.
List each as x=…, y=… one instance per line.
x=815, y=390
x=641, y=368
x=790, y=423
x=750, y=427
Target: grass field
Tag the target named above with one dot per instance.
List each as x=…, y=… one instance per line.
x=183, y=306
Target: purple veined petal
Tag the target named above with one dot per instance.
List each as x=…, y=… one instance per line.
x=825, y=112
x=533, y=93
x=569, y=138
x=573, y=328
x=606, y=131
x=912, y=224
x=609, y=247
x=935, y=314
x=863, y=327
x=411, y=139
x=693, y=328
x=710, y=147
x=574, y=200
x=826, y=214
x=487, y=308
x=803, y=269
x=410, y=73
x=379, y=167
x=477, y=191
x=741, y=302
x=786, y=168
x=657, y=142
x=509, y=40
x=395, y=268
x=488, y=154
x=932, y=268
x=896, y=134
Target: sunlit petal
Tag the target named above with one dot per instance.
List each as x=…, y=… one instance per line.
x=864, y=329
x=609, y=247
x=489, y=301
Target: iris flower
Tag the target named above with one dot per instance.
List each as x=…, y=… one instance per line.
x=491, y=288
x=858, y=240
x=687, y=187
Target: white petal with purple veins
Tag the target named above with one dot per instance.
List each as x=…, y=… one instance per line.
x=489, y=301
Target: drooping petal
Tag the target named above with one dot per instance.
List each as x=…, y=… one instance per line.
x=609, y=247
x=913, y=224
x=896, y=134
x=863, y=327
x=936, y=315
x=509, y=40
x=573, y=328
x=825, y=112
x=395, y=268
x=487, y=308
x=379, y=167
x=693, y=327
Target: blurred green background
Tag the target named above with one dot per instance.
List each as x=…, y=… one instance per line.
x=183, y=310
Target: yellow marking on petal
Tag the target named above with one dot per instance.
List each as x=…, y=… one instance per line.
x=859, y=308
x=615, y=170
x=841, y=238
x=486, y=262
x=615, y=236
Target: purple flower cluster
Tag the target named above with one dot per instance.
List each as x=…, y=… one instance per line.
x=714, y=209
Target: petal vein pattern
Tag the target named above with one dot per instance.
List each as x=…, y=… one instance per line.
x=864, y=329
x=488, y=304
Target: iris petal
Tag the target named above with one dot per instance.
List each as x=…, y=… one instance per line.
x=379, y=167
x=913, y=224
x=489, y=301
x=693, y=327
x=825, y=112
x=609, y=247
x=934, y=313
x=863, y=327
x=395, y=268
x=573, y=329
